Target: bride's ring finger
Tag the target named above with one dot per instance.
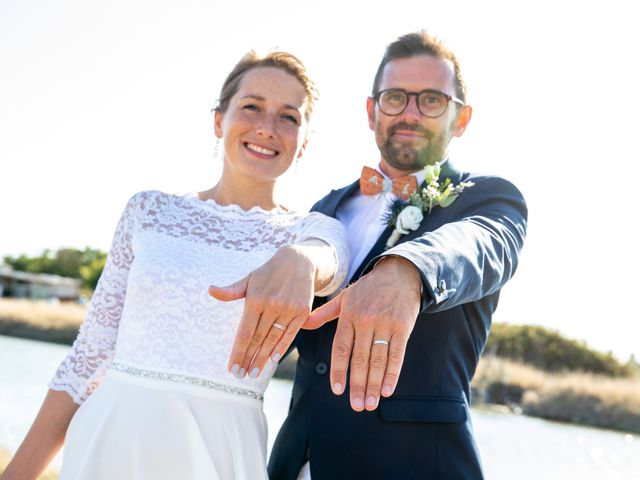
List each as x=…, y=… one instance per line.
x=279, y=326
x=261, y=354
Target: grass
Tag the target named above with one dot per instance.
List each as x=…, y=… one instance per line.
x=4, y=461
x=580, y=398
x=40, y=320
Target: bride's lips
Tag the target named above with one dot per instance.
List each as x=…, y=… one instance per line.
x=260, y=151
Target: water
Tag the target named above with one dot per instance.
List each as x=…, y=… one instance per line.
x=512, y=447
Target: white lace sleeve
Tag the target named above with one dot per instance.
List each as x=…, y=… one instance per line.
x=92, y=352
x=329, y=230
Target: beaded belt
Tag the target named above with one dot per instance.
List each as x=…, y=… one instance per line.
x=185, y=379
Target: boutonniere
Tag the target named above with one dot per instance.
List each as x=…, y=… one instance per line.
x=407, y=216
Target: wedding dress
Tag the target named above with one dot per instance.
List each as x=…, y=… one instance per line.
x=149, y=366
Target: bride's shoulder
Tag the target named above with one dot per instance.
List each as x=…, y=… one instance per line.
x=149, y=201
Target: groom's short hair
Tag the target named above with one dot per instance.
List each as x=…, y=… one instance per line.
x=420, y=43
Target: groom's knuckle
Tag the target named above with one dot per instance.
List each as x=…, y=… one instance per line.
x=396, y=356
x=378, y=361
x=341, y=350
x=373, y=388
x=359, y=360
x=391, y=377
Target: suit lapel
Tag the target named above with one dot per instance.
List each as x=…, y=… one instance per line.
x=448, y=170
x=376, y=250
x=330, y=205
x=431, y=220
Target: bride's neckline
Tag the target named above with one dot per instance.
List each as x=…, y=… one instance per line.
x=232, y=207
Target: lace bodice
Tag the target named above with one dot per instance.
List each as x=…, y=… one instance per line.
x=151, y=309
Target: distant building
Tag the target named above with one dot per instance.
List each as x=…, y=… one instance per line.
x=37, y=285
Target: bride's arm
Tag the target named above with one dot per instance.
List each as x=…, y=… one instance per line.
x=82, y=370
x=322, y=258
x=278, y=296
x=44, y=439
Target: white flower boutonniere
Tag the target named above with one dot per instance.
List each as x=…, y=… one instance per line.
x=407, y=216
x=408, y=219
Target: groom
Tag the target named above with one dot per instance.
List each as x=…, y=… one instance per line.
x=383, y=392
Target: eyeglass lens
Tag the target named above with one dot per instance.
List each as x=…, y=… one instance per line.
x=430, y=104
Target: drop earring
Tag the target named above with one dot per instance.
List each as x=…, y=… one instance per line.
x=216, y=149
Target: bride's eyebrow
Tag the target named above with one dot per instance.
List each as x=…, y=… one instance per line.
x=262, y=99
x=255, y=97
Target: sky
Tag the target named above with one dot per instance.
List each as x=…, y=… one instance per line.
x=99, y=100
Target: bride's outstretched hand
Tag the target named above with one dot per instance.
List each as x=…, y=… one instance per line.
x=278, y=298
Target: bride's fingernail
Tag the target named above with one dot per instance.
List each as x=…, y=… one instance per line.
x=275, y=357
x=254, y=373
x=241, y=373
x=234, y=369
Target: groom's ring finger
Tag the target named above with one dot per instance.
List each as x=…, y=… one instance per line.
x=377, y=368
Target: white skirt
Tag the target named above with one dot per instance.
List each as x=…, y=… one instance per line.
x=139, y=428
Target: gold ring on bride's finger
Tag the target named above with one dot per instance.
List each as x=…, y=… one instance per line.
x=279, y=326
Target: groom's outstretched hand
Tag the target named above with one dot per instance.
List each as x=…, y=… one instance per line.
x=382, y=305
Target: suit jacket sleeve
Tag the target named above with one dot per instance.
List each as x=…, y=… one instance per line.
x=474, y=251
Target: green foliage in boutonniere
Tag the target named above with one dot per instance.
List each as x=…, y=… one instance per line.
x=407, y=216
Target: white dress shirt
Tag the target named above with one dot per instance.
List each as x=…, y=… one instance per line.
x=363, y=217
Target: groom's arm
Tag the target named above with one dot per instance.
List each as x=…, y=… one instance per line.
x=474, y=254
x=462, y=261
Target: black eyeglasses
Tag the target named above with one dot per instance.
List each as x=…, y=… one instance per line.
x=431, y=103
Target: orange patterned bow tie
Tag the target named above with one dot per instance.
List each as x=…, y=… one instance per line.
x=372, y=183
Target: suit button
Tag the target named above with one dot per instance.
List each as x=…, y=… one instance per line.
x=442, y=287
x=321, y=368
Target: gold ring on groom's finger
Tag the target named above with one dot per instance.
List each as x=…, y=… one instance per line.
x=380, y=342
x=279, y=326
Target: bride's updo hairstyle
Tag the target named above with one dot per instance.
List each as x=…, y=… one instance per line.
x=281, y=60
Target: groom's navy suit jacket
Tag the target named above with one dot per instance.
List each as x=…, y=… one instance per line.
x=465, y=253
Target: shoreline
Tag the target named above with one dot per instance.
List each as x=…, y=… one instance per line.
x=569, y=397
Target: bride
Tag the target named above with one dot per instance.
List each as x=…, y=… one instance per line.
x=148, y=390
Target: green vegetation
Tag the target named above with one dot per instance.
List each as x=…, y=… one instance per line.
x=85, y=265
x=550, y=351
x=541, y=373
